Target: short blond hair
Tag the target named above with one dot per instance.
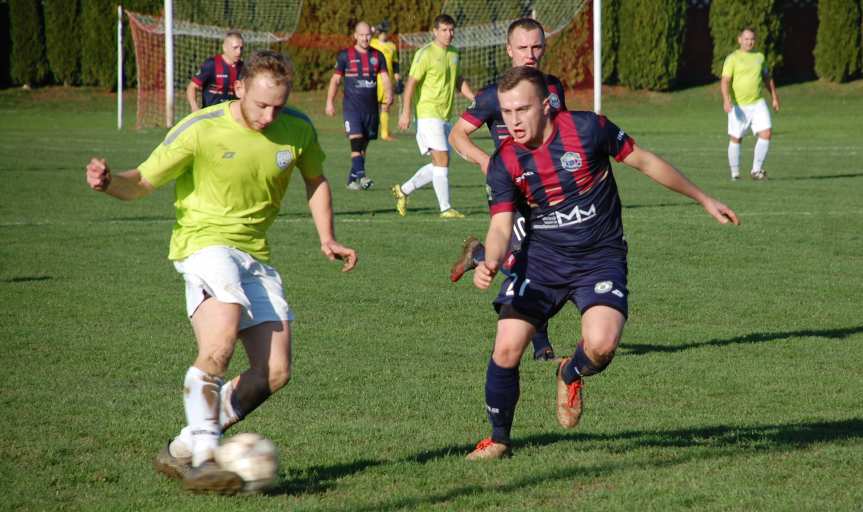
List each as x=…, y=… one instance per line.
x=275, y=64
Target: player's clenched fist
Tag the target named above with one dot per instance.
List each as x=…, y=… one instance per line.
x=484, y=274
x=98, y=174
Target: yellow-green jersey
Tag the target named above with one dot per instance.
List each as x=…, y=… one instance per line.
x=436, y=71
x=391, y=54
x=231, y=179
x=389, y=50
x=746, y=71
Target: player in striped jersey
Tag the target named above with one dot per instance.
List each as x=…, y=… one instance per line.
x=361, y=66
x=555, y=171
x=525, y=44
x=232, y=164
x=218, y=74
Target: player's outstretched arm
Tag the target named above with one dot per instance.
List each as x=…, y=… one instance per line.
x=127, y=185
x=496, y=245
x=666, y=175
x=321, y=206
x=459, y=137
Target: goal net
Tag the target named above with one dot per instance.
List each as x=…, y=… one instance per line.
x=480, y=34
x=199, y=27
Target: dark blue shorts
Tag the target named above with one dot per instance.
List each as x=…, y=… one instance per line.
x=361, y=123
x=603, y=284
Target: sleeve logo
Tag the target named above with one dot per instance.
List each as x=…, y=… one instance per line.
x=284, y=159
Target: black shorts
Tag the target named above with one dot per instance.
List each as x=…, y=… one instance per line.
x=362, y=123
x=525, y=298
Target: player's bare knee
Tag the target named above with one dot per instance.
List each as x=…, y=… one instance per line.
x=735, y=140
x=215, y=361
x=766, y=134
x=600, y=346
x=506, y=357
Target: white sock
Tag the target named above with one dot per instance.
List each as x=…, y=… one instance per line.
x=734, y=158
x=761, y=147
x=421, y=178
x=181, y=446
x=201, y=401
x=227, y=415
x=440, y=181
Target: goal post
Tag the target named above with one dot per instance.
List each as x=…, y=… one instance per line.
x=169, y=48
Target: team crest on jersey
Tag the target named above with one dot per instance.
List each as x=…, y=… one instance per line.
x=284, y=159
x=571, y=161
x=603, y=287
x=554, y=101
x=374, y=61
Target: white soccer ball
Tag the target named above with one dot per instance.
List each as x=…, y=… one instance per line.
x=253, y=457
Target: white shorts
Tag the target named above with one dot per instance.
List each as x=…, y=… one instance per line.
x=755, y=116
x=432, y=134
x=232, y=276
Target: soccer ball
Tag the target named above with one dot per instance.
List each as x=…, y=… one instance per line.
x=251, y=456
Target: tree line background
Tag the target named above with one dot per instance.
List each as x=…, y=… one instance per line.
x=647, y=44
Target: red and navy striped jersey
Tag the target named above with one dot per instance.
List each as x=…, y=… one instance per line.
x=486, y=108
x=564, y=188
x=216, y=79
x=360, y=70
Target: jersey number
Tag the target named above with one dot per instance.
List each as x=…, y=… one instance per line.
x=510, y=290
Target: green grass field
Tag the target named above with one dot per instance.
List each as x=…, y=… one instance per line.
x=737, y=386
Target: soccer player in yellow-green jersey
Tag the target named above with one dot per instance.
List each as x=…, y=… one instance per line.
x=434, y=76
x=232, y=164
x=743, y=75
x=382, y=43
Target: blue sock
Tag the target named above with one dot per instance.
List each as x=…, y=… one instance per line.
x=540, y=339
x=581, y=366
x=358, y=168
x=501, y=395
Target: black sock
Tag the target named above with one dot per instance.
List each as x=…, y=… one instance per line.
x=501, y=395
x=582, y=366
x=540, y=339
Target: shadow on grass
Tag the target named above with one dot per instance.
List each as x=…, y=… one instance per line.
x=758, y=337
x=26, y=279
x=319, y=479
x=709, y=442
x=819, y=177
x=718, y=440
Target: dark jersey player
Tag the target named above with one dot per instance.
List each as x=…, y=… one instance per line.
x=361, y=66
x=556, y=171
x=525, y=44
x=218, y=74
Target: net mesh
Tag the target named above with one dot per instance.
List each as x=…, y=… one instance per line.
x=199, y=29
x=480, y=34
